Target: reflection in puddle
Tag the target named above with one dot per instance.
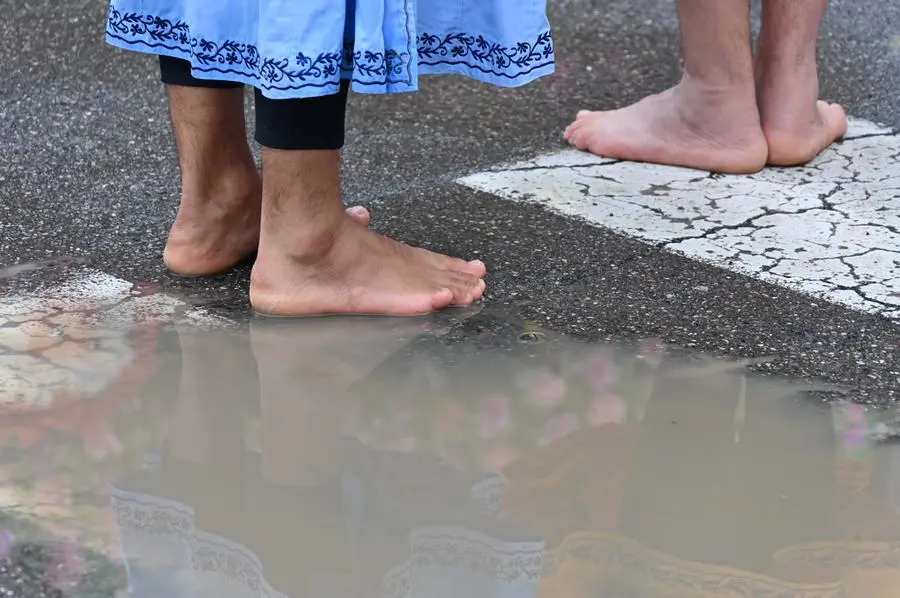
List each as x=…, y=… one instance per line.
x=431, y=457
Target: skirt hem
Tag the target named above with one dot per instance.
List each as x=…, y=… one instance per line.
x=470, y=55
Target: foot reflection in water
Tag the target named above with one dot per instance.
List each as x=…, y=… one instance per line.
x=454, y=455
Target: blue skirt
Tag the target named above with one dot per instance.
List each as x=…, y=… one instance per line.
x=303, y=48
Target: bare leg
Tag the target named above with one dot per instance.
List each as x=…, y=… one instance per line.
x=218, y=220
x=314, y=259
x=709, y=120
x=797, y=126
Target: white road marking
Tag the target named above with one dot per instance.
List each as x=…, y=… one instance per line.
x=109, y=299
x=830, y=229
x=75, y=337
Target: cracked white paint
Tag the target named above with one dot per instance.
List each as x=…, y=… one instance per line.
x=75, y=338
x=830, y=229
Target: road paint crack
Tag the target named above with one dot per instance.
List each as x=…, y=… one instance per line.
x=830, y=229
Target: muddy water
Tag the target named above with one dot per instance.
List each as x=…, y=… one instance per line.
x=468, y=454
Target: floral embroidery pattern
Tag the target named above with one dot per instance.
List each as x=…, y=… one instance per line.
x=477, y=52
x=390, y=66
x=393, y=66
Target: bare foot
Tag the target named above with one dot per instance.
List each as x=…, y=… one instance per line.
x=683, y=126
x=358, y=271
x=212, y=234
x=210, y=237
x=797, y=125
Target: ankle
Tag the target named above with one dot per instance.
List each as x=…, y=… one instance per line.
x=715, y=94
x=710, y=107
x=304, y=241
x=236, y=184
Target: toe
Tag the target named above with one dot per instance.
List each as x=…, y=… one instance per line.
x=473, y=268
x=359, y=214
x=583, y=131
x=477, y=268
x=444, y=262
x=463, y=286
x=581, y=138
x=835, y=119
x=478, y=292
x=441, y=299
x=572, y=132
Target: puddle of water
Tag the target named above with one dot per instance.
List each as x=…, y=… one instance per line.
x=464, y=454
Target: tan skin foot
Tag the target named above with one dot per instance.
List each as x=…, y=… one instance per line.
x=683, y=126
x=799, y=142
x=360, y=272
x=209, y=238
x=210, y=235
x=797, y=125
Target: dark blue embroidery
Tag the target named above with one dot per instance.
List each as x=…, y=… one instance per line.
x=477, y=52
x=366, y=67
x=389, y=66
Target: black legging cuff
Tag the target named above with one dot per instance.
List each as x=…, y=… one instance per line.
x=295, y=124
x=302, y=123
x=175, y=71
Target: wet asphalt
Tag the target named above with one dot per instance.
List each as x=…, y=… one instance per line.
x=88, y=171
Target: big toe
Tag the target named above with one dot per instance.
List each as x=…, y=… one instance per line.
x=478, y=292
x=577, y=125
x=359, y=214
x=475, y=268
x=576, y=134
x=835, y=119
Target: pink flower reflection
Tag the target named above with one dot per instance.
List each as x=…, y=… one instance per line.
x=606, y=409
x=855, y=435
x=546, y=389
x=494, y=415
x=599, y=369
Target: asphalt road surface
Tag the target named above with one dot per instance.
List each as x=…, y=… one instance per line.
x=88, y=172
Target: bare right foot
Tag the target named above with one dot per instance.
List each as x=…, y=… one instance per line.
x=684, y=126
x=353, y=270
x=797, y=125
